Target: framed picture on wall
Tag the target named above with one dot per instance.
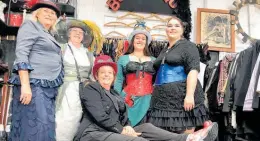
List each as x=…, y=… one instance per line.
x=214, y=27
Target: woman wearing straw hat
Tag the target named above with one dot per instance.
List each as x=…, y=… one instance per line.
x=77, y=61
x=37, y=75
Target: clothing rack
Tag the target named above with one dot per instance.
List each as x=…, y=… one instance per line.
x=110, y=47
x=235, y=81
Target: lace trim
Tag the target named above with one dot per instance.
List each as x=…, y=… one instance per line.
x=178, y=120
x=15, y=80
x=22, y=66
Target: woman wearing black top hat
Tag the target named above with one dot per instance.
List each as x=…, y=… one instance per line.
x=38, y=73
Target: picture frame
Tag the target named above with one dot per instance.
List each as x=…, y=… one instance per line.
x=214, y=27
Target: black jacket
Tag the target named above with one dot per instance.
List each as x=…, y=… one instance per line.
x=246, y=64
x=102, y=111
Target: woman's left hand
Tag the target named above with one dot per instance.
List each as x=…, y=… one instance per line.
x=131, y=132
x=189, y=103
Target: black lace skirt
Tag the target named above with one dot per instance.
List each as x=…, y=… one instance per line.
x=167, y=111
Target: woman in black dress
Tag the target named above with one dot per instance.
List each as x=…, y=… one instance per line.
x=177, y=103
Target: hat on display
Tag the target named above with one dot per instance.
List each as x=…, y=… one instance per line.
x=140, y=28
x=88, y=35
x=47, y=4
x=103, y=60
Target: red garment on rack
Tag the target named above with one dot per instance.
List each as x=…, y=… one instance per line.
x=126, y=45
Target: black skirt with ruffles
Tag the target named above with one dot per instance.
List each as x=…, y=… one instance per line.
x=167, y=107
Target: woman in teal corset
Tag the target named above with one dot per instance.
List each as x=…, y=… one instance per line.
x=177, y=104
x=135, y=73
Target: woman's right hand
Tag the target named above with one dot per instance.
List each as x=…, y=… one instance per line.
x=26, y=94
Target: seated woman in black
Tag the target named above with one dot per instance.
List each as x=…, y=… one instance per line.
x=105, y=117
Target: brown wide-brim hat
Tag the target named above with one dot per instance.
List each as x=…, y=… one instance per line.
x=88, y=35
x=78, y=24
x=47, y=4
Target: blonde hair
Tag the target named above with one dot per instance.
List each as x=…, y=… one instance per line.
x=35, y=19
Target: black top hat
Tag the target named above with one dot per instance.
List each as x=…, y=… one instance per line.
x=47, y=4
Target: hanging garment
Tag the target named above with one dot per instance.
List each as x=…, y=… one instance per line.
x=229, y=91
x=211, y=88
x=201, y=73
x=223, y=76
x=14, y=19
x=114, y=48
x=244, y=74
x=252, y=87
x=8, y=49
x=156, y=47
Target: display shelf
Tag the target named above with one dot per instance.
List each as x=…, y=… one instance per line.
x=11, y=30
x=67, y=9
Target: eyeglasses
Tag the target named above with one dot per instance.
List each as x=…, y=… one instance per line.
x=78, y=31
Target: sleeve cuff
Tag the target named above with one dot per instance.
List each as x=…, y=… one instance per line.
x=22, y=66
x=118, y=128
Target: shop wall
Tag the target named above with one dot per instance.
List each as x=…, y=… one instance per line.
x=97, y=11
